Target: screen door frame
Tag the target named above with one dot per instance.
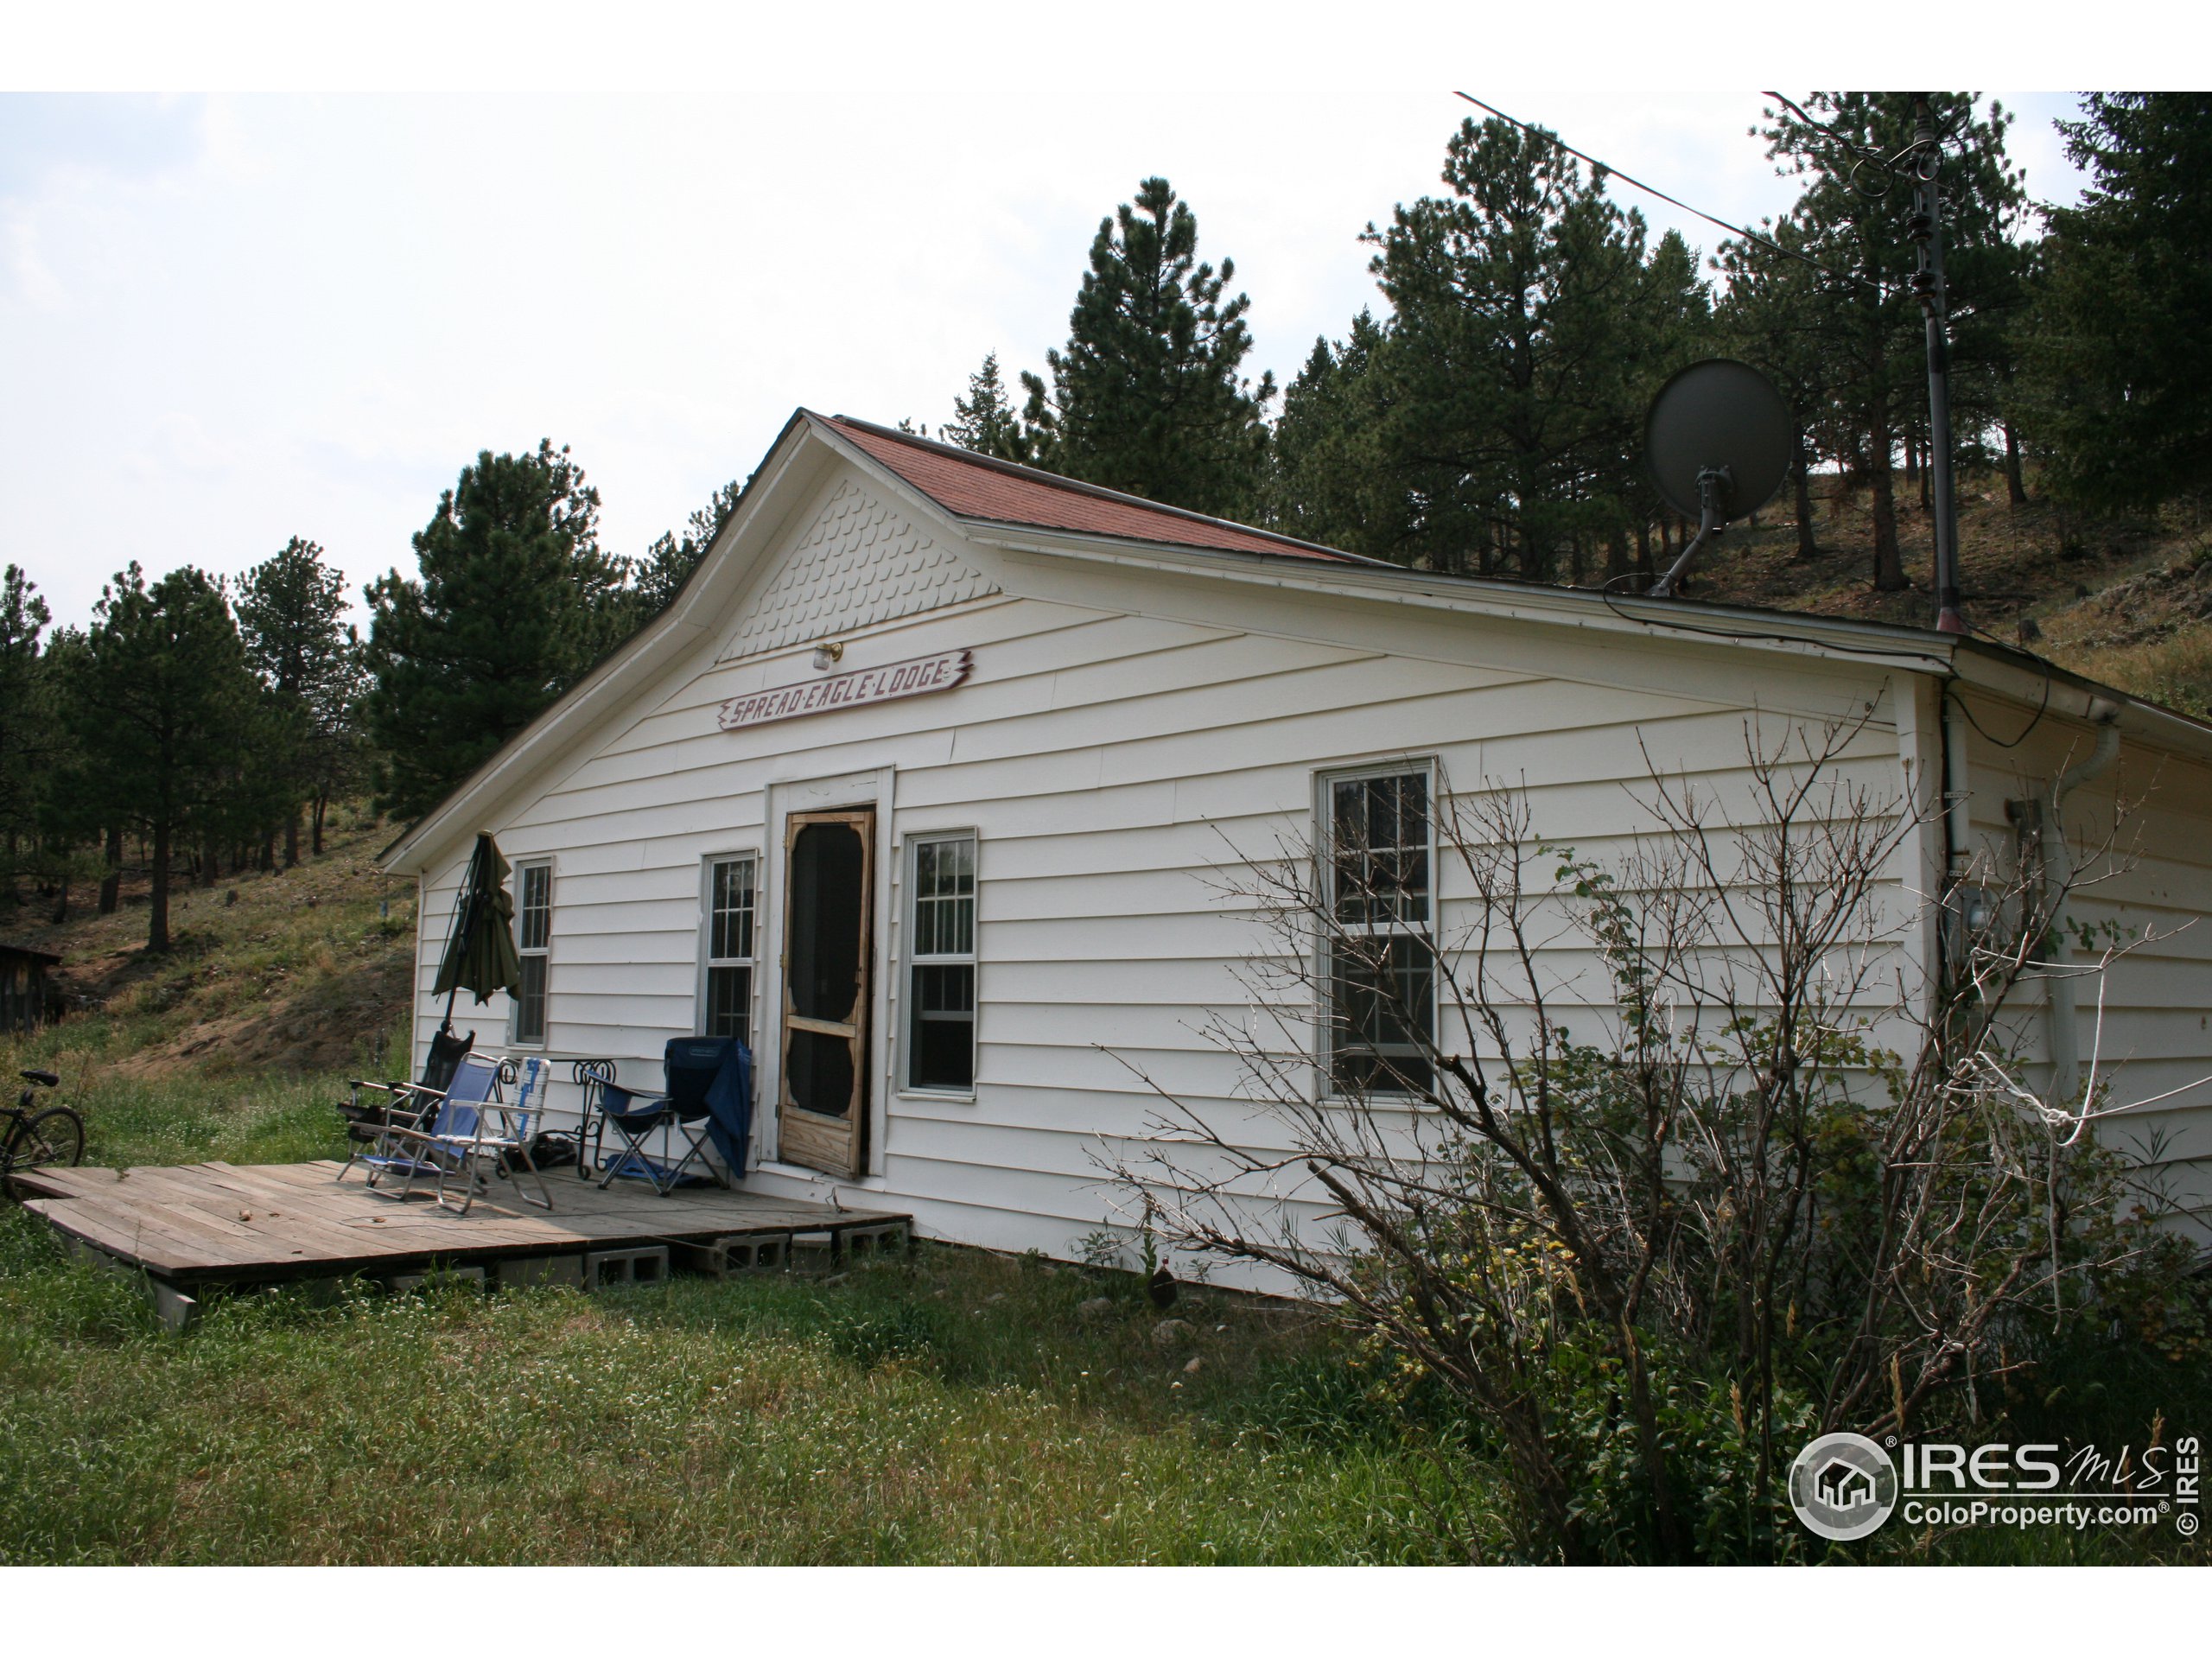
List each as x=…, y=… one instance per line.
x=835, y=1145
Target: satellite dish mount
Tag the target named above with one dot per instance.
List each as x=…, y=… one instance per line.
x=1718, y=441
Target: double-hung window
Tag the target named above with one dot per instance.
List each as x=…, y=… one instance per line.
x=533, y=942
x=1378, y=965
x=732, y=894
x=941, y=964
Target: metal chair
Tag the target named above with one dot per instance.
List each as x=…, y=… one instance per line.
x=402, y=1147
x=412, y=1104
x=471, y=1142
x=690, y=1066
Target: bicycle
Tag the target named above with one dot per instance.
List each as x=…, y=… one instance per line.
x=37, y=1139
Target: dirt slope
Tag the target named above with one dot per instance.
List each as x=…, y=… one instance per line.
x=301, y=970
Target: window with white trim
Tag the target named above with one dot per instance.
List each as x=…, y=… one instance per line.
x=733, y=893
x=1378, y=969
x=533, y=942
x=941, y=963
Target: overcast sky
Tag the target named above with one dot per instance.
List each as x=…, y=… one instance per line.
x=228, y=320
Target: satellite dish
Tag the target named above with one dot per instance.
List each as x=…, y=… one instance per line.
x=1718, y=441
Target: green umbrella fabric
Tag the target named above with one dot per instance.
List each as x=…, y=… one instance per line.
x=480, y=953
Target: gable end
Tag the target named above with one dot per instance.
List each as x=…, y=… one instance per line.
x=862, y=562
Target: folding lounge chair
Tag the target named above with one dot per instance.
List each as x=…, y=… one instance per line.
x=474, y=1140
x=419, y=1115
x=409, y=1103
x=690, y=1065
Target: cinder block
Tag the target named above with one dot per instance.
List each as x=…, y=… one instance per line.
x=647, y=1265
x=517, y=1272
x=882, y=1239
x=737, y=1253
x=813, y=1252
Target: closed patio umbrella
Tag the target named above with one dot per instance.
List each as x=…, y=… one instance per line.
x=480, y=950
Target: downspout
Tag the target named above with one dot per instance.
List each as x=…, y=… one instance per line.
x=1957, y=794
x=1952, y=931
x=2061, y=1027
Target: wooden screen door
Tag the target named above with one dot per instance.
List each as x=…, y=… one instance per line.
x=828, y=908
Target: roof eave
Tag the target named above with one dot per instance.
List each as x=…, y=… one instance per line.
x=1921, y=650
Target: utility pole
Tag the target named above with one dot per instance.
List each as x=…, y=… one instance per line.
x=1926, y=226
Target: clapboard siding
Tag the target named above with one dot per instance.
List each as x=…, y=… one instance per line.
x=2157, y=1032
x=1106, y=816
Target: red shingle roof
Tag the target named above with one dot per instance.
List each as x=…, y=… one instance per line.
x=976, y=487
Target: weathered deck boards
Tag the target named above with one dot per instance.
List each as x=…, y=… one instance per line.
x=218, y=1224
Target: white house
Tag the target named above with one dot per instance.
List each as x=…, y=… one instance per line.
x=971, y=738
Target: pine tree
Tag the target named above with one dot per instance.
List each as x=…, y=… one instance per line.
x=1772, y=318
x=1146, y=398
x=514, y=603
x=984, y=420
x=161, y=706
x=72, y=816
x=669, y=562
x=1332, y=482
x=2118, y=355
x=1524, y=324
x=290, y=612
x=1851, y=216
x=24, y=721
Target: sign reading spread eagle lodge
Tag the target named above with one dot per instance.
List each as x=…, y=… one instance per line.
x=907, y=679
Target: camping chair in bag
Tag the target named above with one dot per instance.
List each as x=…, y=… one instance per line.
x=472, y=1141
x=691, y=1066
x=411, y=1104
x=402, y=1148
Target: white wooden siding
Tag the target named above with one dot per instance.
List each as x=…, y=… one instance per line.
x=2156, y=1034
x=1108, y=759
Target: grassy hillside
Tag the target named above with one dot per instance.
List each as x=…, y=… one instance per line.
x=2126, y=602
x=226, y=1046
x=294, y=971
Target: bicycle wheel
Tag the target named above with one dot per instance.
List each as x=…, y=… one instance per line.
x=56, y=1136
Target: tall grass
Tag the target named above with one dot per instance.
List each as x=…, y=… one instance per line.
x=2176, y=671
x=956, y=1410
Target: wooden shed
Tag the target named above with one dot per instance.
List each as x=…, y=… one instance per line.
x=968, y=745
x=24, y=989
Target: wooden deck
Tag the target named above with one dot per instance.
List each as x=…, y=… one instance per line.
x=224, y=1223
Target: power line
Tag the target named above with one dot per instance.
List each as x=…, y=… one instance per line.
x=1653, y=190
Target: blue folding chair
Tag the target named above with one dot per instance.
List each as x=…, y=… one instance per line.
x=404, y=1142
x=477, y=1141
x=707, y=1096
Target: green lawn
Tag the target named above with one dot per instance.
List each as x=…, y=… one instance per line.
x=959, y=1408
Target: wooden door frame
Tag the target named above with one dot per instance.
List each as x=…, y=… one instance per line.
x=811, y=1138
x=800, y=793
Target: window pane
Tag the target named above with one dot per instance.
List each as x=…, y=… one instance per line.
x=942, y=1026
x=944, y=899
x=530, y=1004
x=534, y=907
x=1382, y=996
x=729, y=1003
x=730, y=921
x=1379, y=852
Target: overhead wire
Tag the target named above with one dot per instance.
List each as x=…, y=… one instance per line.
x=1653, y=190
